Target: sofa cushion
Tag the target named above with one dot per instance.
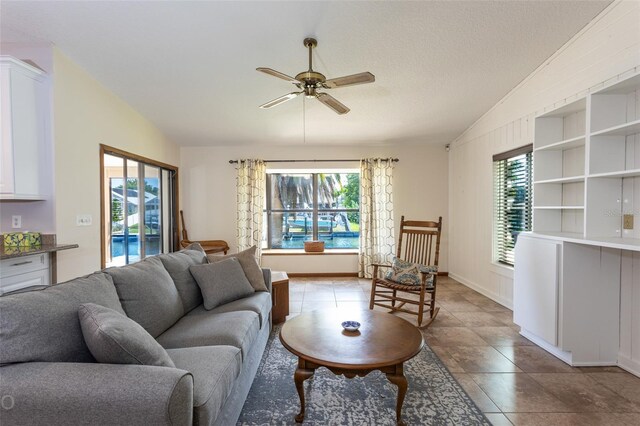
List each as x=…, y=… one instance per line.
x=177, y=264
x=221, y=282
x=238, y=329
x=259, y=302
x=214, y=370
x=113, y=338
x=247, y=259
x=43, y=325
x=148, y=295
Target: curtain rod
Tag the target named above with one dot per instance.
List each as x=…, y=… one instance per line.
x=395, y=160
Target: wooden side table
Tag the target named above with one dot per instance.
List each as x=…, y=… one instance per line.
x=279, y=296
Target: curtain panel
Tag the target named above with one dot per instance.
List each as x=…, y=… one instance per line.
x=377, y=240
x=251, y=189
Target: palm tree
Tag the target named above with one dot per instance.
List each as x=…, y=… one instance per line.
x=293, y=192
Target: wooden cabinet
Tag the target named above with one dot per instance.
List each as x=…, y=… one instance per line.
x=279, y=296
x=23, y=118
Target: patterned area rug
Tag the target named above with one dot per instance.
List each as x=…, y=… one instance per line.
x=433, y=398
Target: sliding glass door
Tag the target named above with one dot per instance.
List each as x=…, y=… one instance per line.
x=138, y=205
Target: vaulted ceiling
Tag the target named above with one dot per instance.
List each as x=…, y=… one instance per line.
x=189, y=67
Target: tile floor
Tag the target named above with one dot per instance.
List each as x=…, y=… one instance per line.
x=511, y=380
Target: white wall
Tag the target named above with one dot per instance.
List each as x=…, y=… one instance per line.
x=208, y=191
x=86, y=114
x=605, y=50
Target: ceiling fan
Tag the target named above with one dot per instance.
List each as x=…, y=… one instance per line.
x=310, y=81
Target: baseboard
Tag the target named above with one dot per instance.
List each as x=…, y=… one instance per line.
x=493, y=296
x=626, y=363
x=335, y=274
x=553, y=350
x=321, y=274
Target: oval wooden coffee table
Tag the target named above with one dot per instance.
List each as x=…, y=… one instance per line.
x=383, y=342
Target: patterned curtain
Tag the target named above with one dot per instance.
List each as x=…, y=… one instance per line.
x=377, y=242
x=251, y=193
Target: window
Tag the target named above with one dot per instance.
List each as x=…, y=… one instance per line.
x=138, y=207
x=313, y=206
x=512, y=200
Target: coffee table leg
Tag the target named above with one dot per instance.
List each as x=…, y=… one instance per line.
x=302, y=373
x=400, y=381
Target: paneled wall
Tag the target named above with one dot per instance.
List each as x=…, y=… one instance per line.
x=606, y=50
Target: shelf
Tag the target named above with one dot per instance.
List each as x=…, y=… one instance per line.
x=620, y=88
x=559, y=207
x=632, y=244
x=618, y=174
x=559, y=235
x=563, y=145
x=571, y=108
x=625, y=129
x=570, y=179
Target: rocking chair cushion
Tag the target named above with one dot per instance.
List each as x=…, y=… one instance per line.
x=409, y=273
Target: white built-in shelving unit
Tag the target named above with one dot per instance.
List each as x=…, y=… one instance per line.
x=576, y=275
x=587, y=166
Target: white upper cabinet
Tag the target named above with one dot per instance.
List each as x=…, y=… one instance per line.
x=22, y=111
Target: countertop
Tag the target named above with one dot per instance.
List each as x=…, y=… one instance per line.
x=11, y=252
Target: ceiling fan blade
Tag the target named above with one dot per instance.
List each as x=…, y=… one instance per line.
x=281, y=99
x=277, y=74
x=332, y=103
x=350, y=80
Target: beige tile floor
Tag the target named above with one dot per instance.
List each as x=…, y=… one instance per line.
x=511, y=380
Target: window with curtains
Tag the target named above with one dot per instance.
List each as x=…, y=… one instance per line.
x=512, y=180
x=318, y=205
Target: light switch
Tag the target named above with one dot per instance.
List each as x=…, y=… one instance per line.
x=627, y=221
x=83, y=220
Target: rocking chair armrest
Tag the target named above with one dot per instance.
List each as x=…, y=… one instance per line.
x=381, y=265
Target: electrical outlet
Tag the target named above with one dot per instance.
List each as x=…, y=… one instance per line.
x=627, y=222
x=16, y=222
x=83, y=220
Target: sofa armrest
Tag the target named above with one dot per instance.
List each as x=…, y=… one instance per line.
x=266, y=272
x=46, y=393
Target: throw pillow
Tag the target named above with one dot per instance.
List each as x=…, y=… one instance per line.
x=221, y=282
x=177, y=265
x=148, y=294
x=113, y=338
x=249, y=265
x=409, y=273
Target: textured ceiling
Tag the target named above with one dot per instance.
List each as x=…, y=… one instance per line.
x=189, y=67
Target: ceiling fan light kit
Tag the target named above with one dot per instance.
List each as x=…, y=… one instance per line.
x=310, y=81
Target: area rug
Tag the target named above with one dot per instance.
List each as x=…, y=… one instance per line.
x=433, y=398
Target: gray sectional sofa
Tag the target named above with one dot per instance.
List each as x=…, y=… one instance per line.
x=49, y=376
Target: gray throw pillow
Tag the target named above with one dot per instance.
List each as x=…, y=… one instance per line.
x=177, y=264
x=221, y=282
x=148, y=294
x=113, y=338
x=249, y=265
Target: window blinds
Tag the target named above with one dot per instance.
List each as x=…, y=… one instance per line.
x=513, y=190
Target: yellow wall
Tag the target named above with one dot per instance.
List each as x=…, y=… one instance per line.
x=86, y=114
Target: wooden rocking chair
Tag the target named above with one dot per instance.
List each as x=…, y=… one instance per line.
x=209, y=246
x=419, y=242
